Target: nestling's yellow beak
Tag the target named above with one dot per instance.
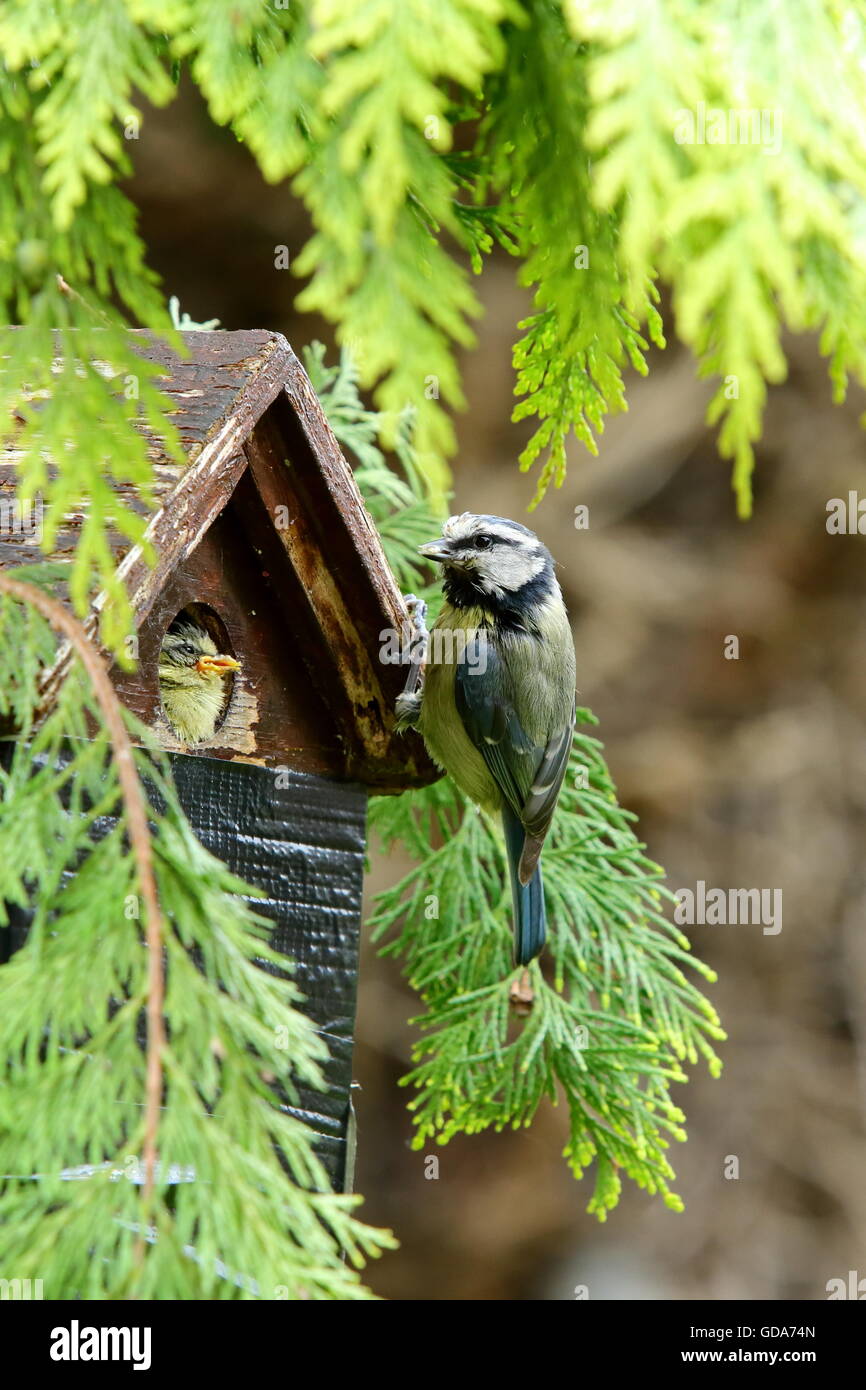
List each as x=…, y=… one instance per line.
x=217, y=665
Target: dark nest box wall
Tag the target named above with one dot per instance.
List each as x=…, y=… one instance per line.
x=262, y=535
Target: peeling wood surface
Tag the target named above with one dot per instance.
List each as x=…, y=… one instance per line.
x=219, y=392
x=343, y=490
x=325, y=581
x=304, y=604
x=279, y=713
x=217, y=459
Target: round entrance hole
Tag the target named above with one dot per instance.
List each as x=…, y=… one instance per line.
x=196, y=682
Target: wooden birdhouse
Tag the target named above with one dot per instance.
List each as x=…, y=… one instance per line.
x=261, y=537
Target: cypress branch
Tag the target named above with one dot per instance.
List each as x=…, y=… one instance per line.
x=75, y=1206
x=609, y=1034
x=135, y=817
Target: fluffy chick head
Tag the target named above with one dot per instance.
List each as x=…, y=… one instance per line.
x=191, y=674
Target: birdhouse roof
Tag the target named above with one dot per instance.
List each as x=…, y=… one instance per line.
x=254, y=435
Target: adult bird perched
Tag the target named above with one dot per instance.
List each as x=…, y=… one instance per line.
x=191, y=673
x=497, y=706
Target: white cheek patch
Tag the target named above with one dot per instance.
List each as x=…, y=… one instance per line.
x=511, y=569
x=506, y=568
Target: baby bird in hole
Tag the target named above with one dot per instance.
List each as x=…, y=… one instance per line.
x=191, y=675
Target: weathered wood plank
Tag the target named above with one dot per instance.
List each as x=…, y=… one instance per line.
x=259, y=446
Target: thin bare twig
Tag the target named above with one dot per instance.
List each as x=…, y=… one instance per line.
x=66, y=289
x=139, y=838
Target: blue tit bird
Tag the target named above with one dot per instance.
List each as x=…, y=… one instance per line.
x=497, y=705
x=191, y=681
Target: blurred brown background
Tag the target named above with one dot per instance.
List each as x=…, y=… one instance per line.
x=745, y=773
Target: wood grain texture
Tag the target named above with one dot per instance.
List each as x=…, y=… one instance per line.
x=218, y=393
x=279, y=713
x=304, y=604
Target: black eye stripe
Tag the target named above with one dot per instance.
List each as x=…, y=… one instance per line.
x=471, y=542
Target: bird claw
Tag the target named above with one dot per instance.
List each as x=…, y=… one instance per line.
x=418, y=618
x=417, y=612
x=407, y=708
x=409, y=702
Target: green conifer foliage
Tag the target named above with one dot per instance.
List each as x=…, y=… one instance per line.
x=610, y=1034
x=224, y=1218
x=707, y=145
x=712, y=148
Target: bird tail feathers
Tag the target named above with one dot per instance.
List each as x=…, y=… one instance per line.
x=528, y=898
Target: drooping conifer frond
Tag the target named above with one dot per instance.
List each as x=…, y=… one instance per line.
x=419, y=137
x=610, y=1034
x=225, y=1218
x=613, y=147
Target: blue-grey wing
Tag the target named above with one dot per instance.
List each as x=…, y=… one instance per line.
x=483, y=700
x=540, y=804
x=529, y=774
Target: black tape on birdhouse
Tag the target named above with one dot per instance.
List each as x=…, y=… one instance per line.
x=301, y=840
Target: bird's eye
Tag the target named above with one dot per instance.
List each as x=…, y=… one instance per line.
x=188, y=649
x=483, y=542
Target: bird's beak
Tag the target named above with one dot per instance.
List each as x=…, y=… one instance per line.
x=439, y=550
x=219, y=665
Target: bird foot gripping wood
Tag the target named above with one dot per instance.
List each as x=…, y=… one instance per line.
x=408, y=704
